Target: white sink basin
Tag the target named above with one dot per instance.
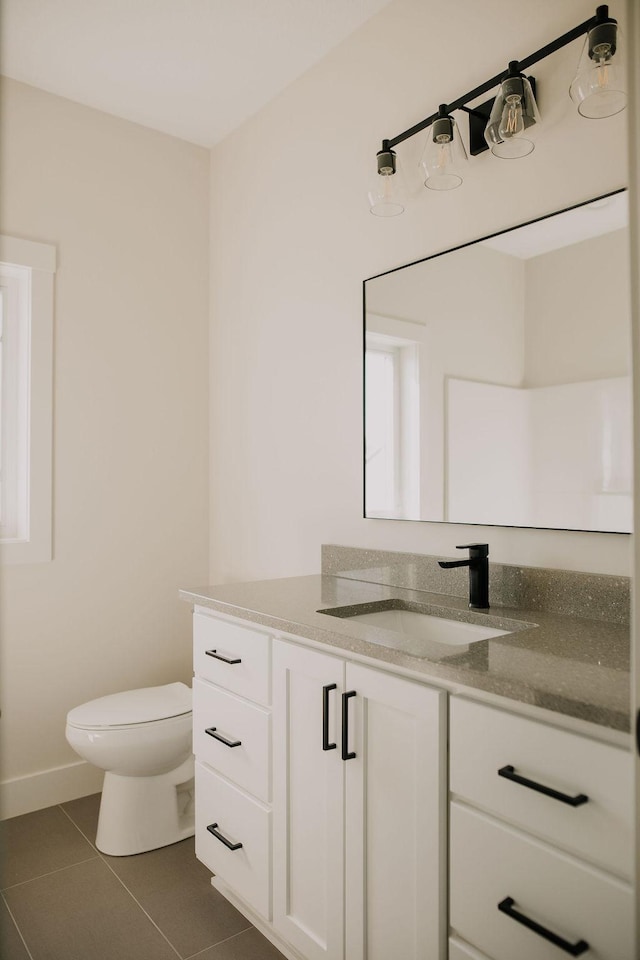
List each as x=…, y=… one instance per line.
x=424, y=626
x=431, y=632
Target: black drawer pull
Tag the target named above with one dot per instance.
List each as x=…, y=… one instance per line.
x=346, y=753
x=218, y=736
x=325, y=717
x=213, y=828
x=575, y=949
x=510, y=774
x=218, y=656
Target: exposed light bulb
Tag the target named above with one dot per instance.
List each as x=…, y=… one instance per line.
x=602, y=53
x=512, y=122
x=387, y=192
x=386, y=200
x=514, y=113
x=443, y=153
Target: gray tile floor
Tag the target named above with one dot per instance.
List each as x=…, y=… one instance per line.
x=64, y=900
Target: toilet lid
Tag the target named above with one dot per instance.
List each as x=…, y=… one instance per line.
x=133, y=706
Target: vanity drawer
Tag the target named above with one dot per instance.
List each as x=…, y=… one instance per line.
x=238, y=819
x=485, y=740
x=491, y=863
x=235, y=657
x=244, y=758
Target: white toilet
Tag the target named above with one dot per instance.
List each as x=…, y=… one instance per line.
x=142, y=740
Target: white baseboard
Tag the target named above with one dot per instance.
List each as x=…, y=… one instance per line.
x=44, y=789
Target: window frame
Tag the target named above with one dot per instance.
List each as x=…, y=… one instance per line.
x=27, y=269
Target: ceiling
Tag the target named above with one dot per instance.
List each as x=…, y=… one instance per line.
x=195, y=69
x=581, y=223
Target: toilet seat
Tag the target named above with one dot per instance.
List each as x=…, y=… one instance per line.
x=133, y=707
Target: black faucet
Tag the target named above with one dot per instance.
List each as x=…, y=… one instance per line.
x=478, y=563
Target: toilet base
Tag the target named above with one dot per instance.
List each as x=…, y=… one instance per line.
x=138, y=814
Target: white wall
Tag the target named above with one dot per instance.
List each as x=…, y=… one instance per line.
x=127, y=209
x=292, y=240
x=578, y=298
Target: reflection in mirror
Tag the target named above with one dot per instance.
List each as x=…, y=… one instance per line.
x=497, y=379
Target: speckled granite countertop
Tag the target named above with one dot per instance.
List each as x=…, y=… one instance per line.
x=573, y=666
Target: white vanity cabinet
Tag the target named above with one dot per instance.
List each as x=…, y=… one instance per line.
x=359, y=794
x=540, y=840
x=232, y=746
x=322, y=809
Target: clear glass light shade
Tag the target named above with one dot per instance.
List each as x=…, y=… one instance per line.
x=444, y=156
x=599, y=87
x=387, y=193
x=514, y=113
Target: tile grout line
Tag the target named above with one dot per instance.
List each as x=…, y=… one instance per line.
x=101, y=857
x=137, y=902
x=18, y=930
x=233, y=936
x=81, y=832
x=41, y=876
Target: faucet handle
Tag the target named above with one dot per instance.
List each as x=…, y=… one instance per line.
x=475, y=549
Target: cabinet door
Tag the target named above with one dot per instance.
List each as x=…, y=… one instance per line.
x=395, y=819
x=308, y=801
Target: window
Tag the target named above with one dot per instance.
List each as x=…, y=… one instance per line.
x=381, y=428
x=392, y=393
x=26, y=354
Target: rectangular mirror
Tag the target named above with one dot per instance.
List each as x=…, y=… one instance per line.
x=497, y=378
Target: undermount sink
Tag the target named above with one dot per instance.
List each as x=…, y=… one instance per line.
x=423, y=630
x=426, y=626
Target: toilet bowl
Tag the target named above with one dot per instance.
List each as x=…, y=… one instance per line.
x=142, y=740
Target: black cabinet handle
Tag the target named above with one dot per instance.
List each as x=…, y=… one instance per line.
x=218, y=736
x=575, y=949
x=213, y=828
x=346, y=754
x=325, y=717
x=510, y=774
x=218, y=656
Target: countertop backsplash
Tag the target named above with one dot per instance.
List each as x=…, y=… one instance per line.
x=565, y=592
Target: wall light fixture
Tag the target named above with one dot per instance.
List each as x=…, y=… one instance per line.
x=513, y=113
x=505, y=124
x=599, y=88
x=444, y=153
x=387, y=193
